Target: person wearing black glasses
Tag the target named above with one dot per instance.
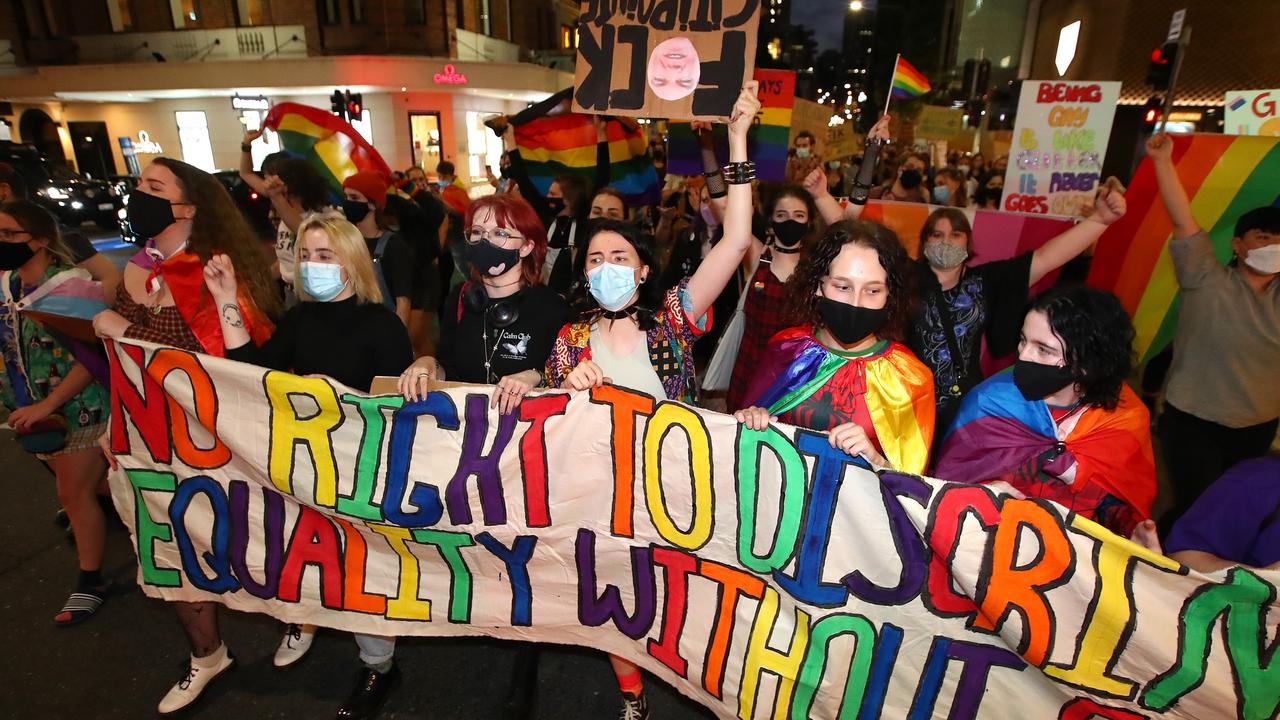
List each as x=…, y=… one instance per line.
x=498, y=327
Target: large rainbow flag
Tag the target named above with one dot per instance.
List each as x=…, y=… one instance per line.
x=767, y=143
x=1224, y=175
x=554, y=141
x=908, y=82
x=326, y=141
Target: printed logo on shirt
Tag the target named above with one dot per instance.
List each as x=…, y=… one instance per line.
x=515, y=346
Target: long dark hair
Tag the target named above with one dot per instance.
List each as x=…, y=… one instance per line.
x=805, y=282
x=1097, y=340
x=219, y=227
x=649, y=300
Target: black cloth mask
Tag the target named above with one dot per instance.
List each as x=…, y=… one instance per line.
x=911, y=179
x=15, y=255
x=789, y=232
x=355, y=210
x=555, y=205
x=490, y=259
x=148, y=214
x=1037, y=381
x=849, y=324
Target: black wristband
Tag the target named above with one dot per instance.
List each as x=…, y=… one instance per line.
x=859, y=193
x=740, y=173
x=245, y=147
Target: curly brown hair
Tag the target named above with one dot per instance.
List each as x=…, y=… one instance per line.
x=219, y=227
x=805, y=282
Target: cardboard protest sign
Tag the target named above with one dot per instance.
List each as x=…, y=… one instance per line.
x=939, y=123
x=842, y=141
x=1252, y=112
x=767, y=142
x=1059, y=143
x=663, y=58
x=762, y=573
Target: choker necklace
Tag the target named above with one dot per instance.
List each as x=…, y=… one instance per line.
x=517, y=281
x=786, y=250
x=618, y=314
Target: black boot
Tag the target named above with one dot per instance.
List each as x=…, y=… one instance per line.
x=372, y=688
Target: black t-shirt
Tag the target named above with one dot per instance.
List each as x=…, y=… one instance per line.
x=350, y=341
x=79, y=245
x=989, y=300
x=466, y=342
x=396, y=264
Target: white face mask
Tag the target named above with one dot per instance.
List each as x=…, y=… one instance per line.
x=1265, y=259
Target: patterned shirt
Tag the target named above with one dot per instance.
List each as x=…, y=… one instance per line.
x=161, y=324
x=765, y=311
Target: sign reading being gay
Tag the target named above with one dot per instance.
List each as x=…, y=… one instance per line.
x=763, y=574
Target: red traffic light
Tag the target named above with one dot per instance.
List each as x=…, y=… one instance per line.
x=1153, y=114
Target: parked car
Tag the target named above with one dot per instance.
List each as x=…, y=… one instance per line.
x=74, y=199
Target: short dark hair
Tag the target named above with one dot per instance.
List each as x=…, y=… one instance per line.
x=303, y=181
x=957, y=218
x=574, y=190
x=10, y=177
x=1266, y=219
x=445, y=167
x=1097, y=339
x=806, y=134
x=584, y=305
x=271, y=163
x=803, y=286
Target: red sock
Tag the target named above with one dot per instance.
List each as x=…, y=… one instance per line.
x=632, y=683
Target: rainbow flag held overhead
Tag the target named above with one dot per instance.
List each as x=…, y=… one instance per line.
x=908, y=82
x=1224, y=176
x=767, y=142
x=554, y=141
x=326, y=141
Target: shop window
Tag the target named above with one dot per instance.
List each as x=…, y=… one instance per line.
x=460, y=13
x=267, y=144
x=364, y=126
x=252, y=12
x=415, y=12
x=193, y=134
x=121, y=17
x=483, y=147
x=568, y=37
x=424, y=135
x=327, y=10
x=357, y=12
x=185, y=13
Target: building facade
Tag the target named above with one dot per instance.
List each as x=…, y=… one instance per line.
x=104, y=83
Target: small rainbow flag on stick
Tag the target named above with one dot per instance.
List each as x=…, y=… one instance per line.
x=327, y=142
x=908, y=82
x=1224, y=176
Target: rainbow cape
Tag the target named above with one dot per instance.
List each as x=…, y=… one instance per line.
x=767, y=141
x=553, y=141
x=997, y=430
x=326, y=141
x=908, y=82
x=899, y=390
x=1224, y=176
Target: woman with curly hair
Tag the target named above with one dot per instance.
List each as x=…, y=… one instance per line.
x=843, y=369
x=1062, y=424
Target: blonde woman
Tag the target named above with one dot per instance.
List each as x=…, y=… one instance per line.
x=341, y=298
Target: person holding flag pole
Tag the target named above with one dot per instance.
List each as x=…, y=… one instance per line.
x=906, y=83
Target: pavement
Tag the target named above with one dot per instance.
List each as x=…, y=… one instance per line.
x=121, y=662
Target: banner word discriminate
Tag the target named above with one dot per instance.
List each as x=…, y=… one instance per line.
x=664, y=58
x=763, y=574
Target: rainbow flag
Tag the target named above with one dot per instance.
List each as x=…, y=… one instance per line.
x=1224, y=176
x=908, y=82
x=554, y=141
x=767, y=142
x=326, y=141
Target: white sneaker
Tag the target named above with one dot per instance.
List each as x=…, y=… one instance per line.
x=294, y=645
x=192, y=685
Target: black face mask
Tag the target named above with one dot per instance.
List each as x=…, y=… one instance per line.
x=911, y=179
x=848, y=323
x=355, y=210
x=148, y=214
x=1037, y=381
x=789, y=232
x=555, y=205
x=15, y=255
x=490, y=259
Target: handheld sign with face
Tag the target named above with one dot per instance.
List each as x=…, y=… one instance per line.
x=664, y=58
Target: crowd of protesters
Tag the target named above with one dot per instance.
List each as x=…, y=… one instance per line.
x=842, y=332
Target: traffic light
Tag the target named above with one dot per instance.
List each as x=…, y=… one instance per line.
x=1151, y=114
x=1160, y=71
x=338, y=104
x=355, y=106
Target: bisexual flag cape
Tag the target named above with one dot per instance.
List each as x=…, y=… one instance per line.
x=997, y=431
x=183, y=273
x=898, y=390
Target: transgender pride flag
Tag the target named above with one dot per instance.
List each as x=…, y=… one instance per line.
x=65, y=305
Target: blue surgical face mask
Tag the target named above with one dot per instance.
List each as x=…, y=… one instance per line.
x=322, y=281
x=941, y=194
x=612, y=285
x=442, y=184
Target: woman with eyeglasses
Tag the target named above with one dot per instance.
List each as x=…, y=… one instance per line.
x=498, y=326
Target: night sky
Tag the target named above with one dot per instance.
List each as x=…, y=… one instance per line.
x=824, y=17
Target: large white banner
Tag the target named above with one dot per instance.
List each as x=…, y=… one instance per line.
x=763, y=574
x=1059, y=142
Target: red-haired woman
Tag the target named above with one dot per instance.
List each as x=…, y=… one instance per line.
x=498, y=327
